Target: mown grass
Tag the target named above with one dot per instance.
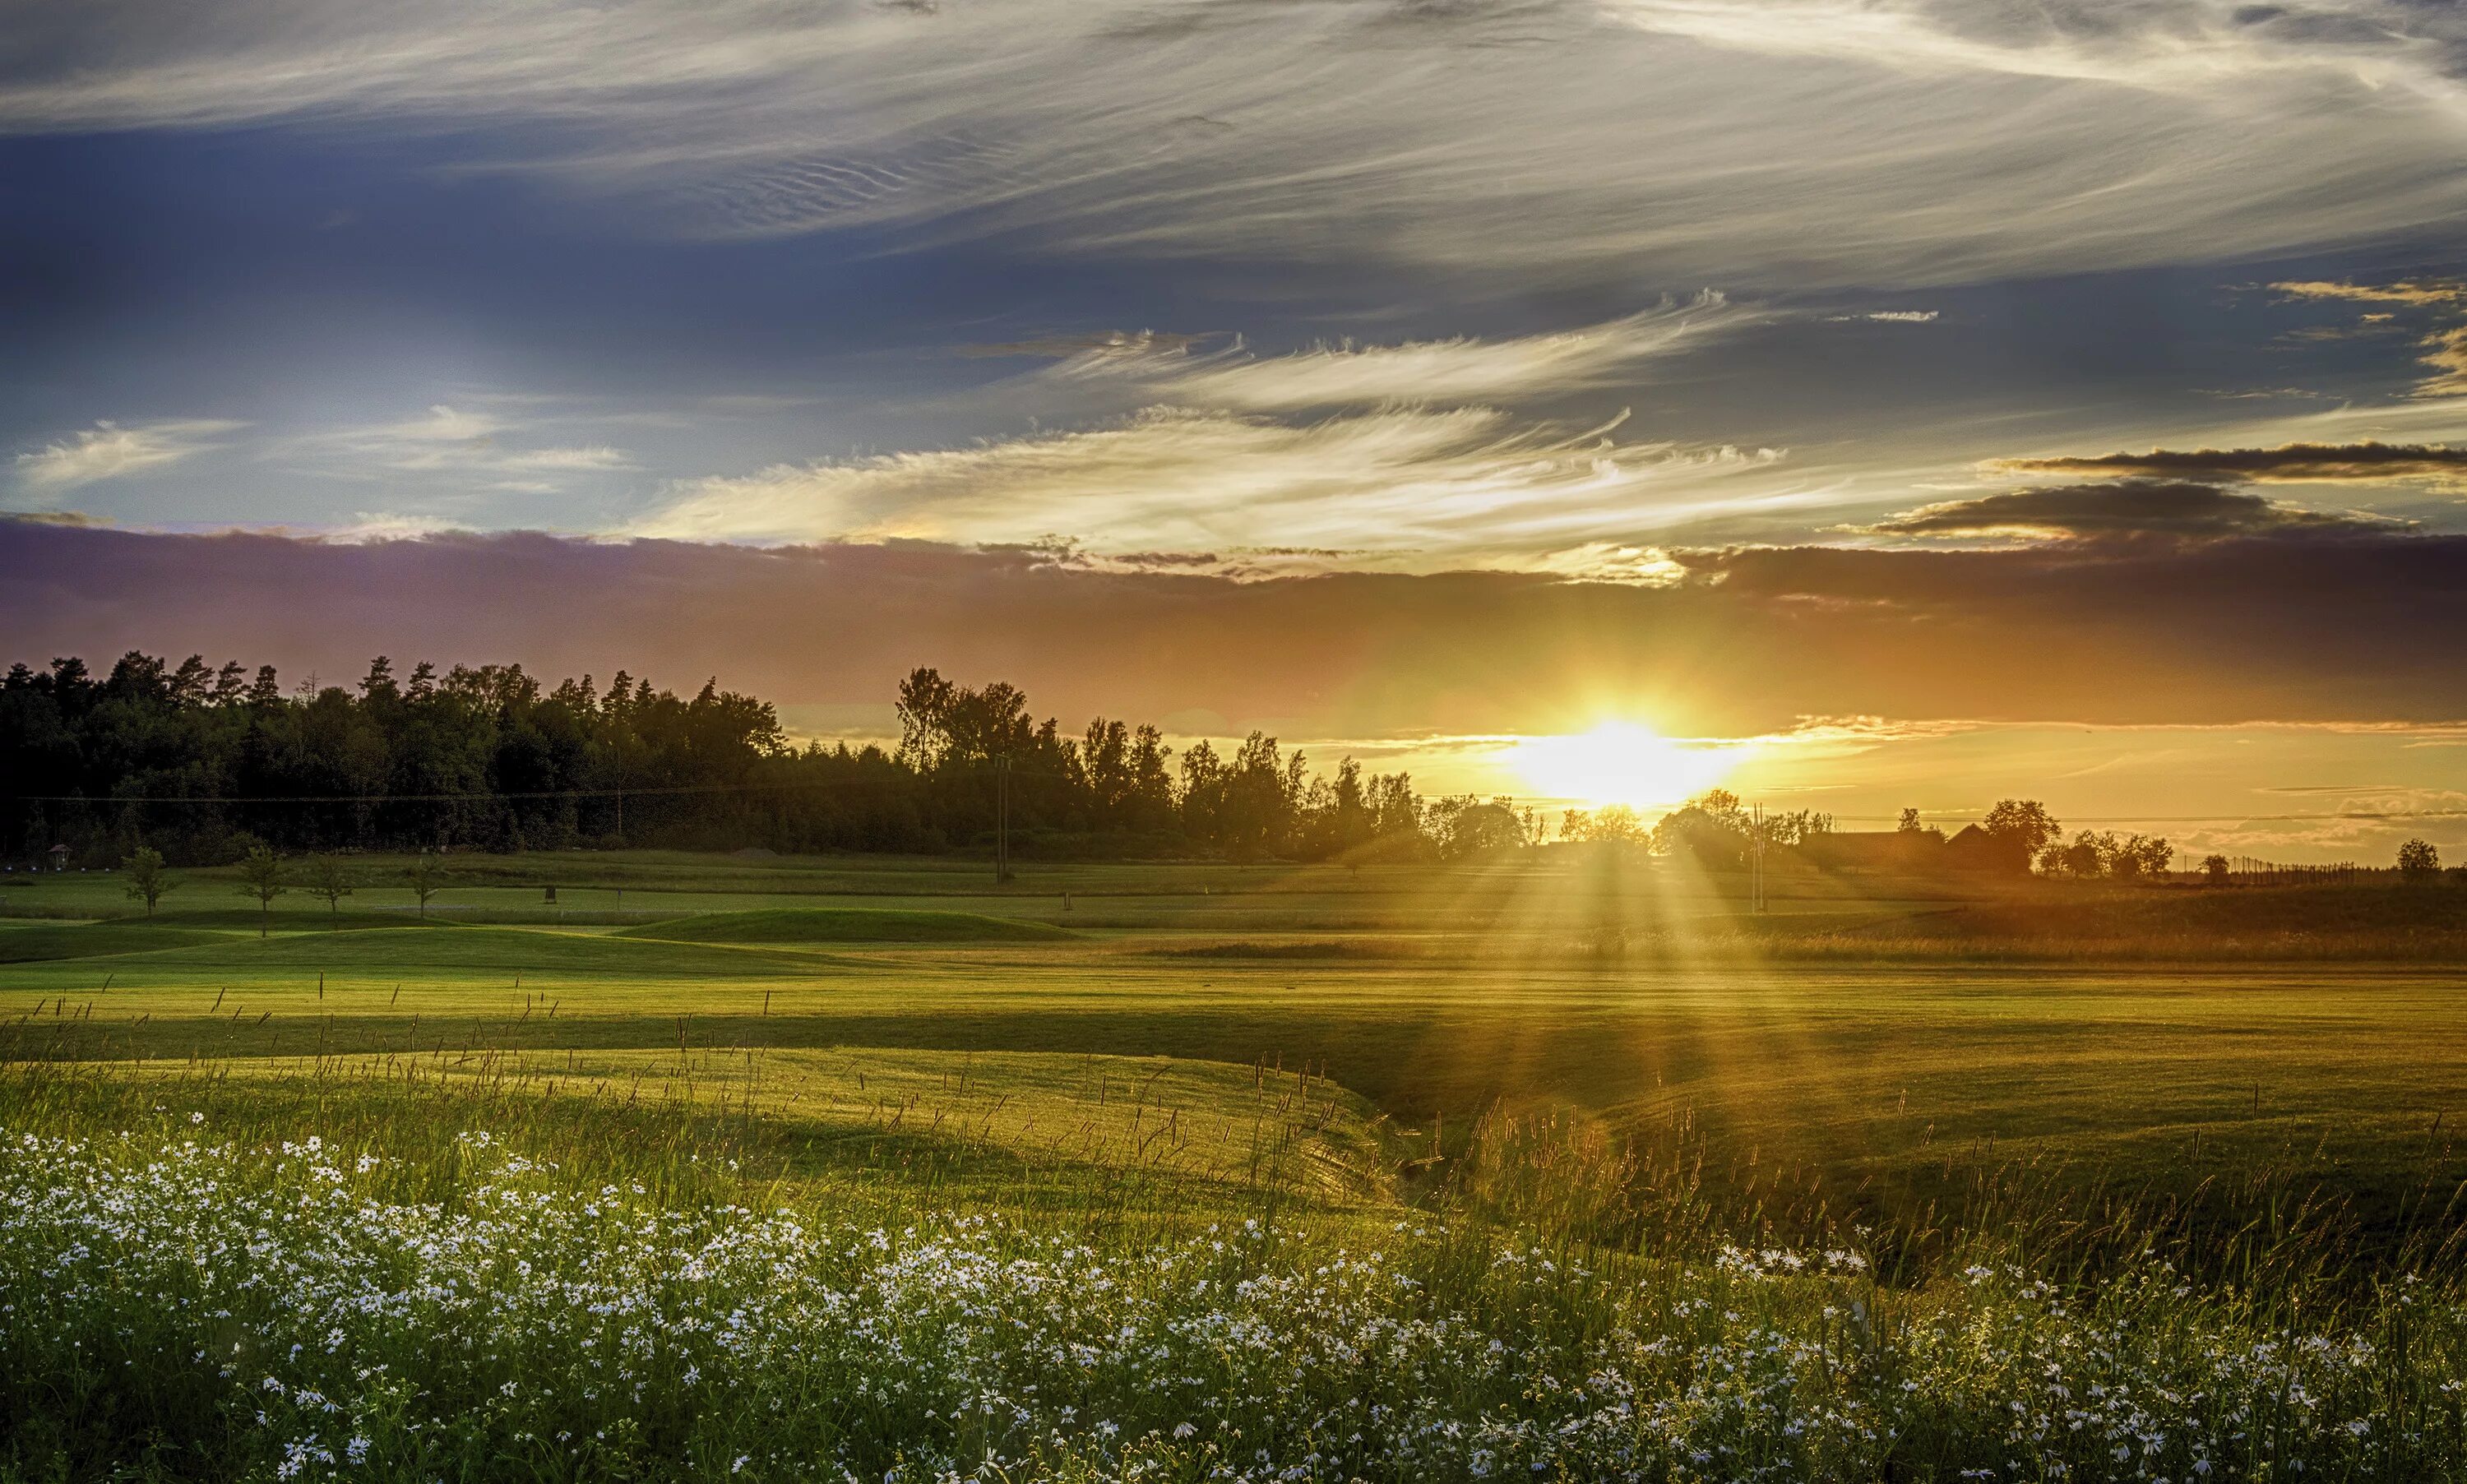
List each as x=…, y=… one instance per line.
x=847, y=925
x=53, y=942
x=1886, y=1090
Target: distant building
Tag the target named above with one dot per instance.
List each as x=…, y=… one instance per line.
x=1874, y=850
x=1974, y=850
x=57, y=857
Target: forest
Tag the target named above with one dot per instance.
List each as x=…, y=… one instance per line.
x=201, y=763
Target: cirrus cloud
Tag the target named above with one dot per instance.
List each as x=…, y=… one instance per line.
x=108, y=450
x=1800, y=142
x=452, y=442
x=1402, y=484
x=1458, y=369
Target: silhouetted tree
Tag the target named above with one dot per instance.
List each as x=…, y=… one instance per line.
x=1468, y=826
x=2020, y=830
x=1612, y=824
x=2138, y=856
x=2103, y=853
x=1712, y=826
x=2418, y=860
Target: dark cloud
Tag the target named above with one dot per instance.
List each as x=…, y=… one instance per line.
x=2127, y=508
x=2336, y=627
x=49, y=518
x=2287, y=463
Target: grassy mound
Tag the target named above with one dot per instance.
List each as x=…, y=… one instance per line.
x=480, y=949
x=54, y=941
x=847, y=925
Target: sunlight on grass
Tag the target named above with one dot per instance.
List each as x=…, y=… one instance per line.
x=1578, y=1130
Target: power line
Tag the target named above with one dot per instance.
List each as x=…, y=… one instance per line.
x=434, y=799
x=648, y=791
x=2225, y=818
x=998, y=768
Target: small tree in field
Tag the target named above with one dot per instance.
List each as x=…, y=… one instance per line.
x=2215, y=867
x=2418, y=860
x=326, y=878
x=261, y=875
x=147, y=881
x=426, y=875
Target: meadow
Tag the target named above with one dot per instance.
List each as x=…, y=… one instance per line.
x=1558, y=1168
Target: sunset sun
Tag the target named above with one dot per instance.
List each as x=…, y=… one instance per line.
x=1620, y=763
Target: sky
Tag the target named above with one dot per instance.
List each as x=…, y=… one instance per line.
x=1901, y=402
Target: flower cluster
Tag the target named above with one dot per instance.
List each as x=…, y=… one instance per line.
x=322, y=1314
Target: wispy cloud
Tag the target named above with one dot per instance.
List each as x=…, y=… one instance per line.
x=2411, y=292
x=482, y=446
x=595, y=459
x=108, y=450
x=2443, y=348
x=1131, y=343
x=1435, y=484
x=1459, y=370
x=1612, y=561
x=1760, y=141
x=388, y=526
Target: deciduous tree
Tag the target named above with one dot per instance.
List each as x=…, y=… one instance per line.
x=147, y=881
x=426, y=877
x=328, y=878
x=261, y=875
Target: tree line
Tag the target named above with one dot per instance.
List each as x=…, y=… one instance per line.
x=202, y=764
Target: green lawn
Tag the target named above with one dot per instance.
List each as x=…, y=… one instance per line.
x=1881, y=1084
x=846, y=925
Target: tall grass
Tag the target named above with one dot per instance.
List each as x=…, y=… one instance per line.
x=2273, y=1231
x=213, y=1278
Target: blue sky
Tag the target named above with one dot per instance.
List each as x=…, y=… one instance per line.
x=1251, y=293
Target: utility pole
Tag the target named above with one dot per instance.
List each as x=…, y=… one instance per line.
x=1756, y=861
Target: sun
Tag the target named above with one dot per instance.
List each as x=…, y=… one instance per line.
x=1620, y=763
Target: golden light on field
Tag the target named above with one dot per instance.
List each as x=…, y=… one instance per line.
x=1620, y=763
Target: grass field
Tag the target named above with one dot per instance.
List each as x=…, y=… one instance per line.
x=1608, y=1060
